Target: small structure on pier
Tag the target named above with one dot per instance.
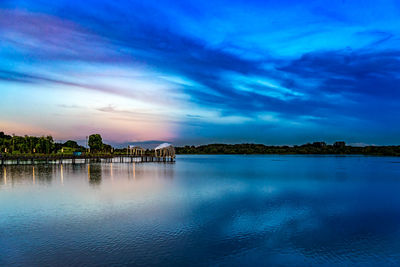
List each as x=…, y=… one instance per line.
x=165, y=150
x=135, y=150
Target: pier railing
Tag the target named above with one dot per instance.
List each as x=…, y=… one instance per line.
x=6, y=159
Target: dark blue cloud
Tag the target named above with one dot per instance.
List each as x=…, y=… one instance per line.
x=366, y=82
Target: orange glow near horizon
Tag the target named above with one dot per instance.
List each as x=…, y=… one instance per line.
x=112, y=129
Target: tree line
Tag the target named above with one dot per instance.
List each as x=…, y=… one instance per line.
x=14, y=144
x=310, y=148
x=46, y=145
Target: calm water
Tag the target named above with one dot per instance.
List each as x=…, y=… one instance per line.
x=204, y=210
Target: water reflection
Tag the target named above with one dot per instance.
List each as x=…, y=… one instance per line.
x=94, y=174
x=4, y=175
x=22, y=174
x=62, y=174
x=207, y=210
x=111, y=172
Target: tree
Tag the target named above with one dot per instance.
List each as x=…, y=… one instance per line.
x=95, y=142
x=107, y=148
x=71, y=143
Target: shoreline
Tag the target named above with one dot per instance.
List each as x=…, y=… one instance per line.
x=285, y=154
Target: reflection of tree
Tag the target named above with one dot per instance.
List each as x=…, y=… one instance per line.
x=44, y=173
x=94, y=174
x=77, y=169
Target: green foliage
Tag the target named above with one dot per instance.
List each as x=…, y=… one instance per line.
x=95, y=143
x=71, y=144
x=314, y=148
x=45, y=145
x=26, y=144
x=97, y=146
x=67, y=150
x=107, y=148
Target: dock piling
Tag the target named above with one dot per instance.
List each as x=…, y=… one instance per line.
x=72, y=159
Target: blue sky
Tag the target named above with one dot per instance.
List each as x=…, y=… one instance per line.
x=194, y=72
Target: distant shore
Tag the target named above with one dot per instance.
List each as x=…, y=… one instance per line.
x=316, y=148
x=32, y=145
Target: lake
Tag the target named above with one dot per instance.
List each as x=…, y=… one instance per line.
x=224, y=210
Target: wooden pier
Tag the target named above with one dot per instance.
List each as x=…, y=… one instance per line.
x=71, y=159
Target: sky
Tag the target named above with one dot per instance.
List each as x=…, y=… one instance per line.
x=197, y=72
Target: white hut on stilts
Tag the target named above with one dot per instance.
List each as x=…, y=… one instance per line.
x=165, y=150
x=135, y=151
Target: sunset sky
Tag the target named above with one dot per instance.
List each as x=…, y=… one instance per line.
x=195, y=72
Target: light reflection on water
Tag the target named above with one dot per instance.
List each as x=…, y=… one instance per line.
x=203, y=210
